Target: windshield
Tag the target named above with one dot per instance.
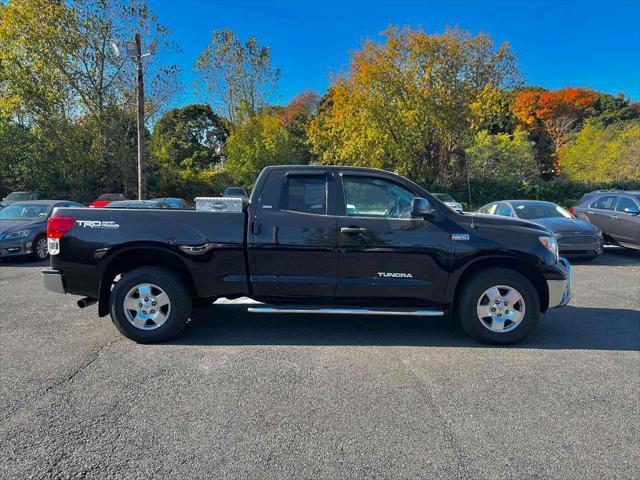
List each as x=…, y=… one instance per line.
x=19, y=196
x=21, y=211
x=445, y=197
x=534, y=210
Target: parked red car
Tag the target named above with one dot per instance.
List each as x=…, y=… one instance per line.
x=106, y=199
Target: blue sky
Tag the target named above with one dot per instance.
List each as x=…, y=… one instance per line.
x=589, y=44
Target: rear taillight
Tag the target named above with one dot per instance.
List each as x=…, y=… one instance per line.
x=58, y=226
x=572, y=211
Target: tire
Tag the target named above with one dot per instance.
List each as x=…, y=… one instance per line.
x=146, y=289
x=203, y=302
x=38, y=253
x=517, y=318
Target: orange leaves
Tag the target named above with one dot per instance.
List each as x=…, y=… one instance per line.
x=525, y=107
x=301, y=106
x=549, y=105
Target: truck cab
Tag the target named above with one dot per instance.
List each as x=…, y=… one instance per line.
x=313, y=239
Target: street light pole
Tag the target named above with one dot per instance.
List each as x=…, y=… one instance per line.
x=134, y=52
x=142, y=170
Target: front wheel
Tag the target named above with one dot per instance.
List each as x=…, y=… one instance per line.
x=498, y=306
x=150, y=304
x=40, y=248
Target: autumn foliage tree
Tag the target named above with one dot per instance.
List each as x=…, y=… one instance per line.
x=558, y=112
x=407, y=104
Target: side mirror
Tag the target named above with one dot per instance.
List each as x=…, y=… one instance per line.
x=421, y=208
x=632, y=210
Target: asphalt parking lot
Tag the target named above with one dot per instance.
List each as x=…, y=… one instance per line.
x=241, y=396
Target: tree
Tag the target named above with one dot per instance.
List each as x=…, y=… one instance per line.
x=61, y=80
x=185, y=139
x=559, y=111
x=503, y=156
x=238, y=77
x=56, y=57
x=491, y=111
x=603, y=154
x=608, y=110
x=261, y=141
x=406, y=104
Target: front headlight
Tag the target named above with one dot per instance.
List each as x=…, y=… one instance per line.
x=550, y=244
x=18, y=234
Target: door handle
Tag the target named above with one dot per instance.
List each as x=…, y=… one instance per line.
x=590, y=212
x=352, y=230
x=614, y=216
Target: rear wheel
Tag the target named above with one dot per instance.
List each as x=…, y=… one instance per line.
x=150, y=304
x=498, y=306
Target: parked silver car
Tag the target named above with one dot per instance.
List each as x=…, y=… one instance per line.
x=616, y=212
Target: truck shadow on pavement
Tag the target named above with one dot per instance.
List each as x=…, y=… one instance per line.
x=567, y=328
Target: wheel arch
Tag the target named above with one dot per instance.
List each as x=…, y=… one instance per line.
x=511, y=263
x=129, y=258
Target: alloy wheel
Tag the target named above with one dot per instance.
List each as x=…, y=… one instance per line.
x=147, y=306
x=501, y=308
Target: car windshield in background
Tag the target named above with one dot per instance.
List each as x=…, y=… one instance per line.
x=171, y=202
x=445, y=197
x=137, y=204
x=234, y=192
x=111, y=196
x=19, y=211
x=18, y=196
x=534, y=210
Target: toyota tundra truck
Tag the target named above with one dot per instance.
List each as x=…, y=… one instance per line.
x=311, y=240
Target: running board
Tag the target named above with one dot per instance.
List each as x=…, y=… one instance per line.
x=347, y=311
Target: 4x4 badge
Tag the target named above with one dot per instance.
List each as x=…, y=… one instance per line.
x=459, y=236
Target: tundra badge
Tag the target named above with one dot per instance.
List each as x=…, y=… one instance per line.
x=459, y=236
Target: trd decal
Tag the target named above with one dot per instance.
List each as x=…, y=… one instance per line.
x=394, y=275
x=97, y=224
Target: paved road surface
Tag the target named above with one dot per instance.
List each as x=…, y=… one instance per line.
x=240, y=396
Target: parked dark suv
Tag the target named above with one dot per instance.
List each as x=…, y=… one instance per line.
x=617, y=213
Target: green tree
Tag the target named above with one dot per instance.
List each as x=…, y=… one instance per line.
x=608, y=110
x=502, y=156
x=261, y=141
x=603, y=154
x=237, y=76
x=185, y=139
x=61, y=81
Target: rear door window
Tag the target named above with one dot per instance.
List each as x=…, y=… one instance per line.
x=305, y=194
x=608, y=202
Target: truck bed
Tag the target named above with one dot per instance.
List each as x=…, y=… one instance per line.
x=200, y=240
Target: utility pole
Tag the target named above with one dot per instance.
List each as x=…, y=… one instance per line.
x=142, y=169
x=134, y=52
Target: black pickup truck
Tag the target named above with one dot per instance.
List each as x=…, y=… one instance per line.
x=311, y=239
